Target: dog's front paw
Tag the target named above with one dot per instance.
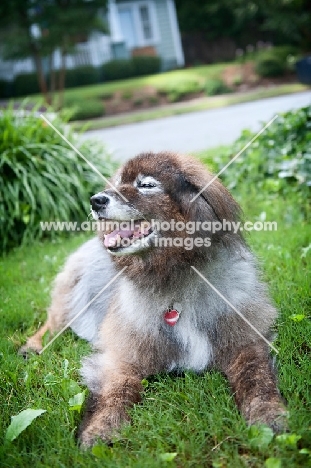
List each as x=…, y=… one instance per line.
x=102, y=425
x=29, y=349
x=272, y=415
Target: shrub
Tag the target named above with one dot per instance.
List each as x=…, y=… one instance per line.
x=118, y=69
x=121, y=69
x=6, y=89
x=25, y=84
x=268, y=66
x=42, y=178
x=82, y=76
x=83, y=109
x=216, y=86
x=275, y=62
x=146, y=65
x=279, y=161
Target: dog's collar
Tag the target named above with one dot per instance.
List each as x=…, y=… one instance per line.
x=171, y=316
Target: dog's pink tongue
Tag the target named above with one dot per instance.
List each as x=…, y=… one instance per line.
x=111, y=240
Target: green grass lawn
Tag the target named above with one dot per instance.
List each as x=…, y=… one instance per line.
x=193, y=416
x=159, y=81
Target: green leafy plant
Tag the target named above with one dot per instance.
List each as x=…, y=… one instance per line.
x=41, y=177
x=259, y=437
x=279, y=161
x=216, y=86
x=76, y=402
x=20, y=422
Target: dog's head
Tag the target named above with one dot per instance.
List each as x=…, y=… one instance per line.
x=152, y=197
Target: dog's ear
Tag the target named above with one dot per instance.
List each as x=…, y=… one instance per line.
x=213, y=203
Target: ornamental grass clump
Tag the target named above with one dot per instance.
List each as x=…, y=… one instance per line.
x=41, y=177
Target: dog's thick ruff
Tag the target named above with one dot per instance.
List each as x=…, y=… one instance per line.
x=126, y=322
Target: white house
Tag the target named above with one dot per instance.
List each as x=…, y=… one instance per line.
x=137, y=27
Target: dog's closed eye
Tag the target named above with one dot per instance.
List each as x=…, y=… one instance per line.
x=148, y=184
x=145, y=185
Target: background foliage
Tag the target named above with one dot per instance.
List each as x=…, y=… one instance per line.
x=278, y=162
x=283, y=22
x=37, y=28
x=41, y=177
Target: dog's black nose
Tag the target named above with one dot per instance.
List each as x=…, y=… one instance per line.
x=99, y=201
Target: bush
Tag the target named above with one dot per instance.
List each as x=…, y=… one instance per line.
x=268, y=66
x=83, y=109
x=118, y=69
x=82, y=76
x=121, y=69
x=146, y=65
x=279, y=161
x=275, y=62
x=25, y=84
x=42, y=178
x=6, y=89
x=216, y=86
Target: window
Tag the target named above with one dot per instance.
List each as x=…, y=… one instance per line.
x=138, y=23
x=145, y=21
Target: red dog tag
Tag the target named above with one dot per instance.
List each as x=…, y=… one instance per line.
x=171, y=317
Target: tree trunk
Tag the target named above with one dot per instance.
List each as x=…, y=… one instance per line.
x=41, y=78
x=52, y=76
x=62, y=78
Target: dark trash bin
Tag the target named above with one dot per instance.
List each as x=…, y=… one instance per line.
x=303, y=68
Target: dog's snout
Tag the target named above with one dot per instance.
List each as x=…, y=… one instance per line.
x=99, y=201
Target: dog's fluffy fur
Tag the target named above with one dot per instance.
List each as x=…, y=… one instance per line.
x=126, y=323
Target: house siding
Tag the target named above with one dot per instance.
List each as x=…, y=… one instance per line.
x=165, y=48
x=100, y=48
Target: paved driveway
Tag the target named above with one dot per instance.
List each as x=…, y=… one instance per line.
x=195, y=131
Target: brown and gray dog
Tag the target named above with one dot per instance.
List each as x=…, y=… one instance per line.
x=159, y=314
